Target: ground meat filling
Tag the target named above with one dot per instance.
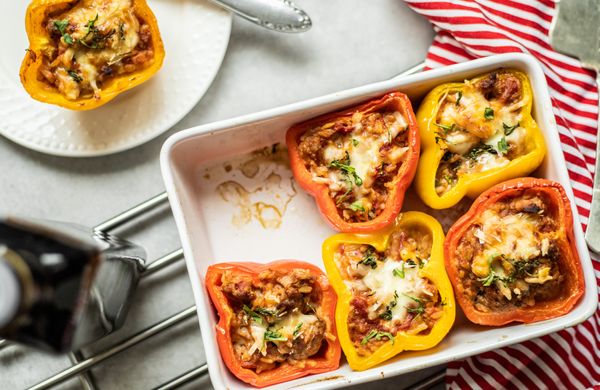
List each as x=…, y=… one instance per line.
x=358, y=158
x=510, y=257
x=478, y=126
x=93, y=42
x=277, y=318
x=389, y=296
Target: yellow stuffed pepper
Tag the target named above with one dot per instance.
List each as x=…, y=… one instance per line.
x=83, y=53
x=393, y=291
x=474, y=135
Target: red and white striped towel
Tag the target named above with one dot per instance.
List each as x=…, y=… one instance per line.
x=467, y=29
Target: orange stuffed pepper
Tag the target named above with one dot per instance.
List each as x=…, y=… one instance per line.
x=276, y=320
x=82, y=54
x=358, y=163
x=512, y=256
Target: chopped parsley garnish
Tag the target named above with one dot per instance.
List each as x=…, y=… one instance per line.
x=75, y=76
x=459, y=94
x=387, y=314
x=354, y=142
x=266, y=312
x=488, y=113
x=369, y=259
x=524, y=268
x=274, y=336
x=399, y=272
x=502, y=145
x=509, y=129
x=122, y=31
x=253, y=315
x=411, y=262
x=446, y=128
x=347, y=169
x=61, y=26
x=297, y=330
x=420, y=309
x=479, y=149
x=492, y=277
x=97, y=39
x=357, y=206
x=377, y=335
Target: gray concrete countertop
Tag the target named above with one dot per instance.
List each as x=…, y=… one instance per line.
x=353, y=42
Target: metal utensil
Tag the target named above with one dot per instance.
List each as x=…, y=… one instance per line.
x=576, y=32
x=278, y=15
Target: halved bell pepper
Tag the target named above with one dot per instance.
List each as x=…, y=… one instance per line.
x=40, y=13
x=328, y=356
x=498, y=289
x=381, y=215
x=436, y=145
x=431, y=270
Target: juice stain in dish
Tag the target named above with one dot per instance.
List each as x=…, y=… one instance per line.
x=266, y=202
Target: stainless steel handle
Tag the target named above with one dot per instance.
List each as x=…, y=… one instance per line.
x=278, y=15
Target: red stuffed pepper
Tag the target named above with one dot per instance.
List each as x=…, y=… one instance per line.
x=276, y=320
x=512, y=257
x=358, y=163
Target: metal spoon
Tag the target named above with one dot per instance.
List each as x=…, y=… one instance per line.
x=278, y=15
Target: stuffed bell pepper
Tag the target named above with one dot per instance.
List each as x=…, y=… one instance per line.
x=276, y=320
x=512, y=256
x=393, y=292
x=476, y=134
x=357, y=163
x=83, y=53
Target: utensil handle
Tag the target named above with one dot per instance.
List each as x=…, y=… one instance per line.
x=592, y=234
x=278, y=15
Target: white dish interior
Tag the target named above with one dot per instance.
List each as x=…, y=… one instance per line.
x=194, y=164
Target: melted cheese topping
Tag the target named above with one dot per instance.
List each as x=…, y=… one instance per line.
x=120, y=28
x=363, y=149
x=477, y=135
x=289, y=327
x=387, y=288
x=512, y=235
x=508, y=240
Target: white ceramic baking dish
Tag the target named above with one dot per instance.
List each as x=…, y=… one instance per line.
x=214, y=185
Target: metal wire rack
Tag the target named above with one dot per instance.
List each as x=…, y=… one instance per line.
x=81, y=365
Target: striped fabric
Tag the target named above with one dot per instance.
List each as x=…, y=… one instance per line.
x=467, y=29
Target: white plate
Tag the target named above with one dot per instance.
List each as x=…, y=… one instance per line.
x=192, y=163
x=195, y=34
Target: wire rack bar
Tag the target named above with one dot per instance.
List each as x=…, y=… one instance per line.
x=132, y=213
x=115, y=349
x=81, y=365
x=184, y=378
